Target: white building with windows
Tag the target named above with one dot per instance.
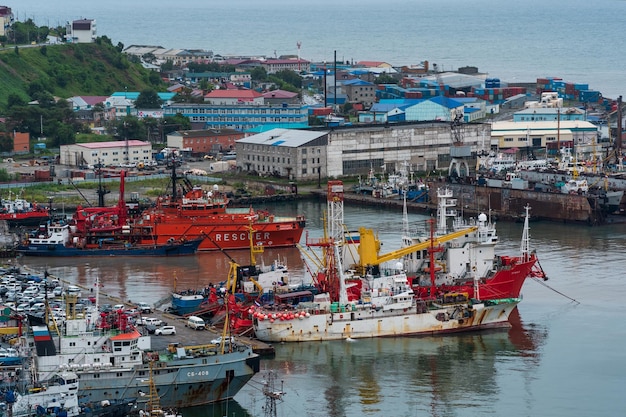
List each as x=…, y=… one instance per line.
x=355, y=150
x=107, y=153
x=543, y=134
x=295, y=154
x=81, y=31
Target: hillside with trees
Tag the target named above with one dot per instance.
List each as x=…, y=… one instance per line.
x=32, y=72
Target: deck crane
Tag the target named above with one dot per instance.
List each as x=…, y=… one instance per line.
x=370, y=246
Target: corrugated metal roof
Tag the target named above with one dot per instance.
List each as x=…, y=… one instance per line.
x=357, y=81
x=292, y=138
x=233, y=94
x=113, y=144
x=447, y=102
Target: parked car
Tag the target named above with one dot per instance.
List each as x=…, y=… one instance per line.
x=196, y=323
x=150, y=328
x=165, y=330
x=218, y=341
x=22, y=307
x=132, y=312
x=151, y=321
x=37, y=307
x=144, y=307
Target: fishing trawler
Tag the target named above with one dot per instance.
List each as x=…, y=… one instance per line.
x=112, y=360
x=469, y=263
x=20, y=212
x=370, y=301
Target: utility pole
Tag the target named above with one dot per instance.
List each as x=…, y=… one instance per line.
x=127, y=157
x=618, y=138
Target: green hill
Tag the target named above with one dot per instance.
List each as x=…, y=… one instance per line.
x=71, y=69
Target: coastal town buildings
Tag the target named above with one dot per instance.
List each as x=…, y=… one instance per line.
x=92, y=110
x=538, y=114
x=291, y=153
x=278, y=97
x=353, y=150
x=233, y=97
x=360, y=91
x=244, y=116
x=178, y=57
x=237, y=79
x=276, y=65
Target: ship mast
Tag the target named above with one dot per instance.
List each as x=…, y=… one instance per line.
x=525, y=245
x=271, y=394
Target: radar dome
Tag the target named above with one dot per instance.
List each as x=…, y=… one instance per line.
x=399, y=266
x=215, y=187
x=482, y=217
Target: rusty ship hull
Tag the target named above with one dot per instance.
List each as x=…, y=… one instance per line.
x=372, y=322
x=510, y=203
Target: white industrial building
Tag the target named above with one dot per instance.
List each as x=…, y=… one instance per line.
x=291, y=153
x=106, y=153
x=313, y=154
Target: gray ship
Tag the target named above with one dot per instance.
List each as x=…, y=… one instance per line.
x=112, y=360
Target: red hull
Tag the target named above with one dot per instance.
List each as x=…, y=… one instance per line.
x=228, y=232
x=507, y=282
x=26, y=219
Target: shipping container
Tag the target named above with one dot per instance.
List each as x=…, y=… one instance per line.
x=322, y=111
x=42, y=175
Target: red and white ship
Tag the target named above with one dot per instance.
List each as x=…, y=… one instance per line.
x=20, y=212
x=467, y=264
x=368, y=301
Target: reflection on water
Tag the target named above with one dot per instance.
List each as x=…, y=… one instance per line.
x=411, y=376
x=152, y=279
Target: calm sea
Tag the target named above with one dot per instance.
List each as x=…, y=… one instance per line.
x=559, y=359
x=576, y=40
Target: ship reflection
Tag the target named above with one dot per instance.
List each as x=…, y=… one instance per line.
x=419, y=376
x=152, y=280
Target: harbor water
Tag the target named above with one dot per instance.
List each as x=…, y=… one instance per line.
x=560, y=357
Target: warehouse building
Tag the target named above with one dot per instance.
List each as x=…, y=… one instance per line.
x=106, y=153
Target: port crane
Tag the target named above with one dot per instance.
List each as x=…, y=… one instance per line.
x=459, y=152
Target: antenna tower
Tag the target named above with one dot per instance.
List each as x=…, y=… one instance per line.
x=271, y=394
x=299, y=44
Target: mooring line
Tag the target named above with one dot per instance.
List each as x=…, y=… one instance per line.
x=556, y=291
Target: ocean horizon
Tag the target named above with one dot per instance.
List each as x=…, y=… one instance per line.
x=517, y=42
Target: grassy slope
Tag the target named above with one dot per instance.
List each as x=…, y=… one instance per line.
x=68, y=70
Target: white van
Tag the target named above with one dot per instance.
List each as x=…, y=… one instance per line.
x=73, y=290
x=196, y=323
